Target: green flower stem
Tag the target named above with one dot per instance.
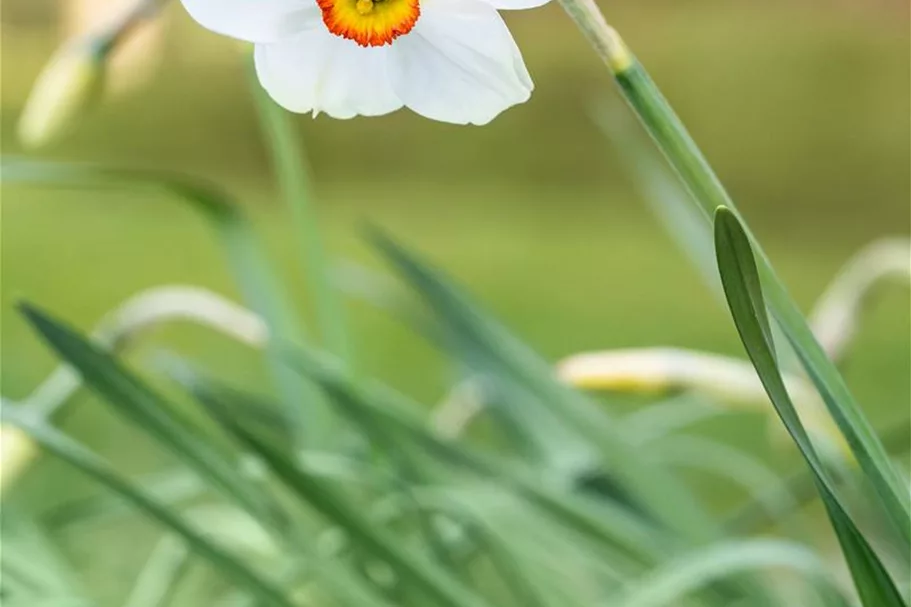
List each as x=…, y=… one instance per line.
x=603, y=38
x=707, y=191
x=291, y=170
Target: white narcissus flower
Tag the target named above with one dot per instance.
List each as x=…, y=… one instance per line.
x=450, y=60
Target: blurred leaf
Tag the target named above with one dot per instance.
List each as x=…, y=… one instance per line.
x=161, y=575
x=566, y=424
x=409, y=469
x=664, y=195
x=653, y=422
x=260, y=288
x=475, y=339
x=141, y=406
x=291, y=169
x=150, y=413
x=435, y=582
x=89, y=463
x=205, y=197
x=731, y=464
x=607, y=521
x=170, y=488
x=223, y=403
x=602, y=523
x=506, y=563
x=604, y=520
x=802, y=485
x=670, y=584
x=740, y=279
x=32, y=569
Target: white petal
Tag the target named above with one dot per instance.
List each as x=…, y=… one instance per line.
x=515, y=5
x=318, y=72
x=459, y=64
x=255, y=20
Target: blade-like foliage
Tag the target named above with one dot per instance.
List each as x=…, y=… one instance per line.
x=234, y=407
x=246, y=258
x=566, y=420
x=611, y=523
x=600, y=521
x=142, y=406
x=160, y=577
x=740, y=279
x=151, y=413
x=708, y=194
x=76, y=455
x=432, y=580
x=32, y=569
x=669, y=585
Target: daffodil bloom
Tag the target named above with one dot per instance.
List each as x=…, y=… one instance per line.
x=449, y=60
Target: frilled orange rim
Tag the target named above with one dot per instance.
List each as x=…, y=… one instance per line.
x=370, y=22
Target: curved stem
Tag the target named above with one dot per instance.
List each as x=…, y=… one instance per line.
x=142, y=312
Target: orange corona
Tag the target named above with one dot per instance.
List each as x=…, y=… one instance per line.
x=370, y=22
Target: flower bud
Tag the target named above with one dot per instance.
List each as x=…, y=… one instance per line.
x=17, y=451
x=67, y=88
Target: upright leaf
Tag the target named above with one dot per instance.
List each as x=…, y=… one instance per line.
x=740, y=279
x=563, y=419
x=602, y=520
x=247, y=261
x=432, y=580
x=142, y=406
x=708, y=193
x=93, y=466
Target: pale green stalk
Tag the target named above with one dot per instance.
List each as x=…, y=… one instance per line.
x=291, y=169
x=159, y=578
x=707, y=191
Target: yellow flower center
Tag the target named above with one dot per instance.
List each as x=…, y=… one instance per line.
x=370, y=22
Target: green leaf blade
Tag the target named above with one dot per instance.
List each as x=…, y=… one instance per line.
x=133, y=400
x=707, y=194
x=564, y=420
x=94, y=467
x=740, y=279
x=432, y=580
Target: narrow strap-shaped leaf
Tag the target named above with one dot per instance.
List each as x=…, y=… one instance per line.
x=708, y=193
x=430, y=579
x=245, y=254
x=160, y=577
x=486, y=348
x=130, y=397
x=564, y=413
x=740, y=279
x=602, y=520
x=224, y=404
x=670, y=584
x=802, y=486
x=78, y=456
